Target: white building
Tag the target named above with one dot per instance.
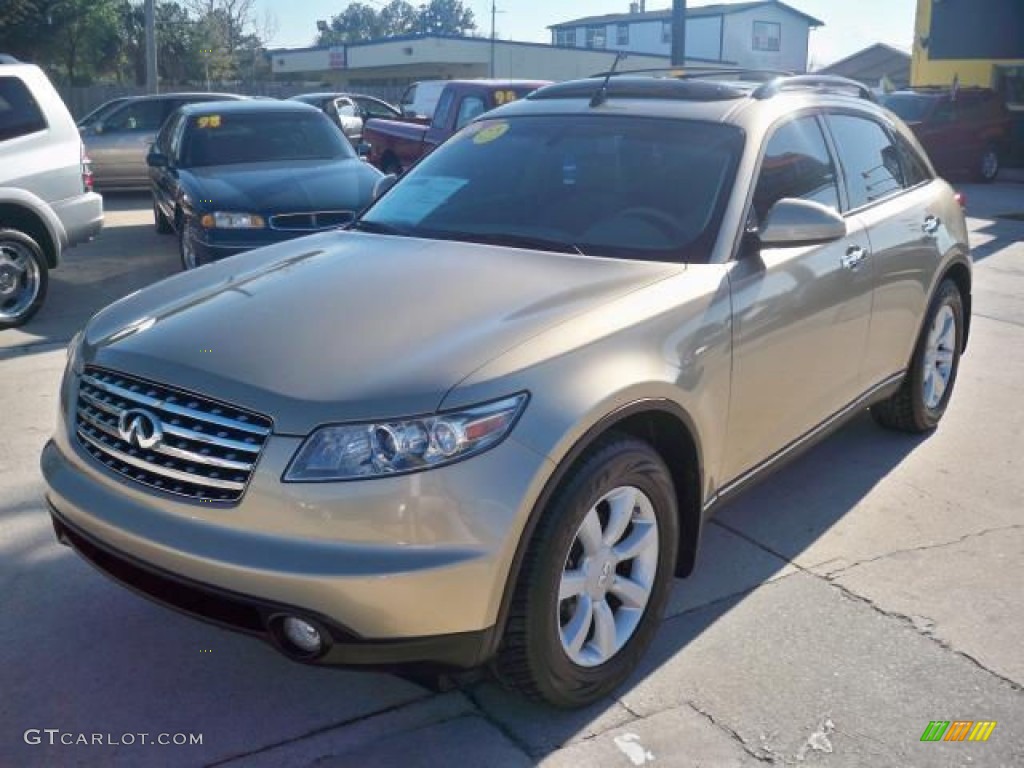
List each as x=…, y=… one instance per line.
x=759, y=35
x=385, y=66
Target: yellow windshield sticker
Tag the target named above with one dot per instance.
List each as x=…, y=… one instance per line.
x=490, y=133
x=504, y=97
x=209, y=121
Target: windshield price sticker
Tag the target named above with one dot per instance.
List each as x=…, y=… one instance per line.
x=490, y=132
x=504, y=97
x=208, y=121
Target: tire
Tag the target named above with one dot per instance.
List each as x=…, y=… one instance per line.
x=534, y=656
x=24, y=278
x=988, y=165
x=163, y=226
x=186, y=247
x=914, y=407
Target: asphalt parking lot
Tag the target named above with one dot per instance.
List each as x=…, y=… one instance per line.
x=869, y=588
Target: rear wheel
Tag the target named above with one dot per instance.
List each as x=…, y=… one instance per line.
x=23, y=278
x=988, y=165
x=595, y=578
x=922, y=399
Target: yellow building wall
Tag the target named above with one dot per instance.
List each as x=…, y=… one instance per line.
x=924, y=71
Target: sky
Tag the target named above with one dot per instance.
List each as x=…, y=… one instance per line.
x=849, y=24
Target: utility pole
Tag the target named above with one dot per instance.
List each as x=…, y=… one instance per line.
x=494, y=13
x=152, y=84
x=678, y=33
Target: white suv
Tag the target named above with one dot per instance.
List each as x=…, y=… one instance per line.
x=46, y=198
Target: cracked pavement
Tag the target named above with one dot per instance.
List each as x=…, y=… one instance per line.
x=866, y=589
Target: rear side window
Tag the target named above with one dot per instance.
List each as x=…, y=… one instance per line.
x=796, y=164
x=19, y=113
x=870, y=161
x=147, y=115
x=915, y=170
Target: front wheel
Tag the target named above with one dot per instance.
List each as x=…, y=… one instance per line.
x=23, y=278
x=187, y=246
x=922, y=399
x=595, y=578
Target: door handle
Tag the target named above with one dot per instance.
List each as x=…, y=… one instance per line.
x=853, y=257
x=931, y=225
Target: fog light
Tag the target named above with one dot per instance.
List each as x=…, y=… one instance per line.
x=303, y=635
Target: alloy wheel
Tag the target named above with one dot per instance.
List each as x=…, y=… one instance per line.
x=608, y=576
x=19, y=280
x=939, y=356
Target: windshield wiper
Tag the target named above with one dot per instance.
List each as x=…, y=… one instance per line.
x=512, y=240
x=377, y=228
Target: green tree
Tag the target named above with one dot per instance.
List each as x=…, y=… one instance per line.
x=14, y=13
x=360, y=22
x=447, y=17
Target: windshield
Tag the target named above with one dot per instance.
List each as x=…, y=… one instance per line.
x=598, y=185
x=259, y=137
x=911, y=107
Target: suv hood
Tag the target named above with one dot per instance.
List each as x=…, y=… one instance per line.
x=347, y=326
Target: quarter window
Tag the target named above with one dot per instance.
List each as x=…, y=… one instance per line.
x=19, y=113
x=870, y=161
x=915, y=170
x=767, y=36
x=796, y=164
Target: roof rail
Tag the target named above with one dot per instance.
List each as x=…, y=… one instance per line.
x=780, y=84
x=690, y=73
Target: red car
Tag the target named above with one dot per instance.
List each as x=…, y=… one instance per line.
x=964, y=134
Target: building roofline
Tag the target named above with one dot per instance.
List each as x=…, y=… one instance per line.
x=856, y=54
x=483, y=40
x=696, y=12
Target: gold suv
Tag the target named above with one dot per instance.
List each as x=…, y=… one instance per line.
x=487, y=422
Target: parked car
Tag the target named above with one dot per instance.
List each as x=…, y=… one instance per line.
x=228, y=177
x=395, y=146
x=489, y=422
x=964, y=134
x=118, y=141
x=419, y=99
x=46, y=200
x=350, y=110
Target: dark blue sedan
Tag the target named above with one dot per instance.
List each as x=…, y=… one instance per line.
x=232, y=176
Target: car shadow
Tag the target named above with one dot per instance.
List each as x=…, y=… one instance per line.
x=126, y=256
x=120, y=661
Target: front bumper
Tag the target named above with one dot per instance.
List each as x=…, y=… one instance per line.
x=408, y=568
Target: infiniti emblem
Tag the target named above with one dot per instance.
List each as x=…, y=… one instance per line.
x=140, y=428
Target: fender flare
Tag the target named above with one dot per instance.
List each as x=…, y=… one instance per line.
x=36, y=205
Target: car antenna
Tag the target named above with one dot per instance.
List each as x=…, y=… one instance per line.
x=601, y=96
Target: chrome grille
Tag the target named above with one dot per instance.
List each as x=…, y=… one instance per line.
x=207, y=450
x=312, y=221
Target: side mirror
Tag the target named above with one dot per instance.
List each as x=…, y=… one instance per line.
x=97, y=127
x=792, y=222
x=383, y=184
x=156, y=159
x=363, y=150
x=409, y=112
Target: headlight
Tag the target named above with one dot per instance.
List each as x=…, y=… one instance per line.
x=75, y=352
x=354, y=451
x=222, y=220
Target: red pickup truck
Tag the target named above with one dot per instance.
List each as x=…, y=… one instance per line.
x=394, y=146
